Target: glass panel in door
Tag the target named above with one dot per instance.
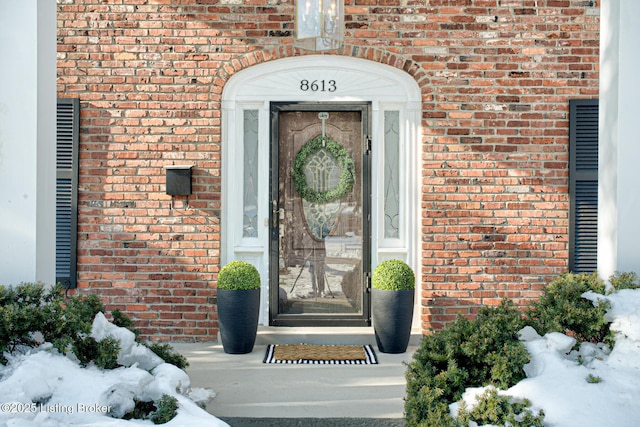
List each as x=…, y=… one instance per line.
x=320, y=219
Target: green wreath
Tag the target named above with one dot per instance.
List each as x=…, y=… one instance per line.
x=339, y=153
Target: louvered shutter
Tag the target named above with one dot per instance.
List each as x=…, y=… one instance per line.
x=583, y=185
x=67, y=129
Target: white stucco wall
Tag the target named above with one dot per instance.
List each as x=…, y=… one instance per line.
x=27, y=141
x=619, y=174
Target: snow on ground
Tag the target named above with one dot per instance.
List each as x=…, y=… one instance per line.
x=593, y=386
x=68, y=395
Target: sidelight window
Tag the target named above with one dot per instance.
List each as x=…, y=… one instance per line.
x=250, y=180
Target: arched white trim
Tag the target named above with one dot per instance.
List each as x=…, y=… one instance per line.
x=319, y=78
x=359, y=80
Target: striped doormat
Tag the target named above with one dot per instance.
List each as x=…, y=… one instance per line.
x=321, y=354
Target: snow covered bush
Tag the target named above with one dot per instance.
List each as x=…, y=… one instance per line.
x=64, y=363
x=160, y=412
x=166, y=410
x=580, y=366
x=561, y=308
x=165, y=352
x=30, y=314
x=493, y=408
x=466, y=353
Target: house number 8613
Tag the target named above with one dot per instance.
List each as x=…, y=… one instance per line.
x=318, y=86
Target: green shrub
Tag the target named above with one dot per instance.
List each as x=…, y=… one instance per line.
x=167, y=409
x=27, y=309
x=426, y=407
x=20, y=316
x=238, y=276
x=68, y=321
x=142, y=410
x=485, y=351
x=393, y=275
x=168, y=354
x=159, y=412
x=621, y=281
x=495, y=409
x=561, y=308
x=104, y=354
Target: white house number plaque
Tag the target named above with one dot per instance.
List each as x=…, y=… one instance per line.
x=318, y=85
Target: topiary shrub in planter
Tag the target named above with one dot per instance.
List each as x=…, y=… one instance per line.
x=238, y=306
x=392, y=298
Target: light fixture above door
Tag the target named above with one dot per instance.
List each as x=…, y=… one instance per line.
x=319, y=24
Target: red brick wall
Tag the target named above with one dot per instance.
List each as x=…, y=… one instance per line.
x=496, y=77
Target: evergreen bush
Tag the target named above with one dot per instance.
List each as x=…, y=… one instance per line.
x=485, y=351
x=20, y=316
x=621, y=281
x=31, y=314
x=142, y=410
x=561, y=308
x=159, y=412
x=167, y=409
x=104, y=354
x=29, y=309
x=495, y=409
x=168, y=354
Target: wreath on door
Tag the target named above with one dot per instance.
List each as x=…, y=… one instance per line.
x=340, y=154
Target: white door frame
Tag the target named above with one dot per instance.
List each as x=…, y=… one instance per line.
x=320, y=78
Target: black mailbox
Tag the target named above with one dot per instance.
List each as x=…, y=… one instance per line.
x=178, y=180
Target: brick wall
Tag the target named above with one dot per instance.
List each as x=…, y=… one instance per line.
x=496, y=77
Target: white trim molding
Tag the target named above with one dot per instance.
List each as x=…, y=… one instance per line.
x=331, y=79
x=618, y=172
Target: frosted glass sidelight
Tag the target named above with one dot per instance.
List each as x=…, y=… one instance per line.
x=391, y=174
x=250, y=181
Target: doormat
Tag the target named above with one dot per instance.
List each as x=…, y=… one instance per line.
x=321, y=354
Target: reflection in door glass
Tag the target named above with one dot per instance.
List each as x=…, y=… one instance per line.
x=320, y=239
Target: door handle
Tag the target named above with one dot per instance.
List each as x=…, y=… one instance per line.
x=275, y=212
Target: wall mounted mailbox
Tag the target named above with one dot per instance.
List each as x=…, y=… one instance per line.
x=178, y=181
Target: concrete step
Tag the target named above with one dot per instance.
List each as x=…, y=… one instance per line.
x=314, y=422
x=321, y=335
x=253, y=394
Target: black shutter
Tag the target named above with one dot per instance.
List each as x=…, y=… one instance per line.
x=67, y=129
x=583, y=185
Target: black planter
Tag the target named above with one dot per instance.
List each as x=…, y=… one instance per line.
x=392, y=313
x=238, y=318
